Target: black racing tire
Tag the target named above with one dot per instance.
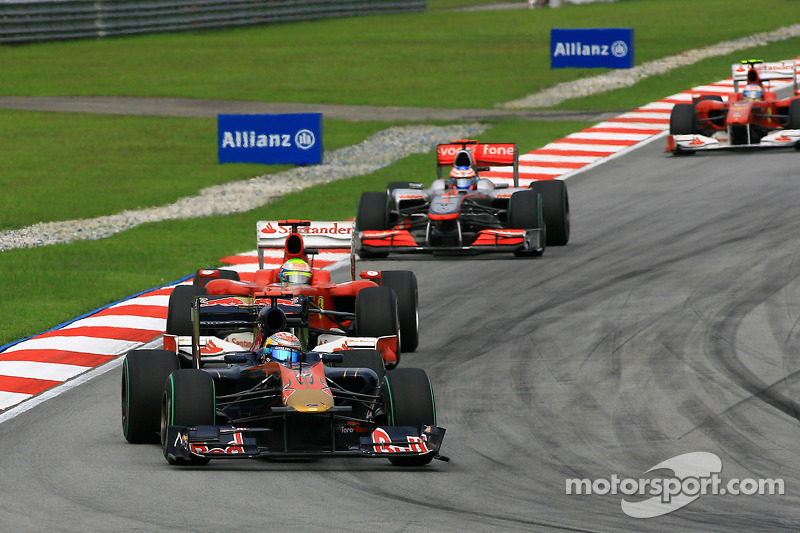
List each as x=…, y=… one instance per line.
x=223, y=274
x=794, y=115
x=363, y=358
x=555, y=205
x=683, y=119
x=373, y=211
x=143, y=375
x=525, y=212
x=188, y=400
x=179, y=309
x=372, y=214
x=376, y=313
x=408, y=401
x=404, y=284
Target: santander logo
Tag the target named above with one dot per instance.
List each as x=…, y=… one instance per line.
x=268, y=229
x=210, y=348
x=330, y=228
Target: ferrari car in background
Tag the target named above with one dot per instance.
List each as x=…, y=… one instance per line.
x=378, y=311
x=753, y=116
x=483, y=216
x=276, y=400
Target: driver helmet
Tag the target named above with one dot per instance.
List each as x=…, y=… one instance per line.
x=463, y=179
x=282, y=346
x=753, y=91
x=295, y=271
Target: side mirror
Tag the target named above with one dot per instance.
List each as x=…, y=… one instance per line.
x=236, y=358
x=334, y=357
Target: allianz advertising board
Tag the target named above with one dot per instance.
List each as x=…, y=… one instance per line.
x=591, y=48
x=270, y=139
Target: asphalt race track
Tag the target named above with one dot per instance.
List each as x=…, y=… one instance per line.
x=668, y=325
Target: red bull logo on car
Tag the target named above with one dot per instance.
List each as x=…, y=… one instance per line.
x=383, y=443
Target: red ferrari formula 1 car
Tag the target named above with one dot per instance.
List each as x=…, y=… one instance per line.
x=464, y=212
x=379, y=311
x=754, y=116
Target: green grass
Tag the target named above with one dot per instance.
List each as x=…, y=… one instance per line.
x=65, y=165
x=61, y=166
x=438, y=58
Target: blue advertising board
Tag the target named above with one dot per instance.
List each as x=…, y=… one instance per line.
x=270, y=139
x=591, y=48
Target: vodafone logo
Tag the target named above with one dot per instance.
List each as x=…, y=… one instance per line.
x=491, y=149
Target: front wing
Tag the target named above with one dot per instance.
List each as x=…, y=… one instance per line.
x=229, y=442
x=487, y=240
x=697, y=142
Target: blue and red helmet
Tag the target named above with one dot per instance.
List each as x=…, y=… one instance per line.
x=283, y=346
x=753, y=91
x=463, y=179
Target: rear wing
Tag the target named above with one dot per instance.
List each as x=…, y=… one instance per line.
x=783, y=70
x=242, y=312
x=479, y=156
x=308, y=236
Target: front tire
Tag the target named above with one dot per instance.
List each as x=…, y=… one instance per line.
x=404, y=284
x=555, y=205
x=794, y=115
x=188, y=400
x=408, y=401
x=376, y=312
x=372, y=214
x=683, y=119
x=143, y=375
x=525, y=212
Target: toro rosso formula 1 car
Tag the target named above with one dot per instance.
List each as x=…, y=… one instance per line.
x=466, y=214
x=752, y=117
x=379, y=311
x=277, y=401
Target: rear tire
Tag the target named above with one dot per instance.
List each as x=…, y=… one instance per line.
x=143, y=375
x=408, y=401
x=555, y=204
x=404, y=284
x=179, y=311
x=364, y=359
x=223, y=274
x=188, y=400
